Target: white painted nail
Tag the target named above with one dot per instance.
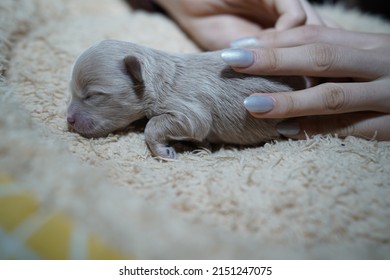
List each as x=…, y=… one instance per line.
x=288, y=128
x=237, y=57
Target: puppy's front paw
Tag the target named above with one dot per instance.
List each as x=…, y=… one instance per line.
x=165, y=151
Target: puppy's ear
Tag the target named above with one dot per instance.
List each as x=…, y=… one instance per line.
x=133, y=67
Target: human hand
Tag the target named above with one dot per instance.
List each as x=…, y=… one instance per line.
x=358, y=104
x=213, y=24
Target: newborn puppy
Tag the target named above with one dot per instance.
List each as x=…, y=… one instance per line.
x=192, y=97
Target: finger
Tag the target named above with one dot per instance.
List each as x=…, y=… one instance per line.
x=316, y=33
x=291, y=14
x=317, y=60
x=366, y=125
x=324, y=99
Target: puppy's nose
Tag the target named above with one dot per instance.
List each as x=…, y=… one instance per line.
x=70, y=120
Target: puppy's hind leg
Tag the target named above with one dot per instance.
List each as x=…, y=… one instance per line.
x=162, y=129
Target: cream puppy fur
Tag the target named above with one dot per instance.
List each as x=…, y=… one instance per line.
x=185, y=97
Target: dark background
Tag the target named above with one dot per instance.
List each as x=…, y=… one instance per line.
x=375, y=7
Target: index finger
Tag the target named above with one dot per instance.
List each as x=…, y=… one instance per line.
x=316, y=60
x=308, y=34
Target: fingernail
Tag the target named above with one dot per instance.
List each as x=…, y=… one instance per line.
x=258, y=104
x=238, y=57
x=288, y=128
x=246, y=42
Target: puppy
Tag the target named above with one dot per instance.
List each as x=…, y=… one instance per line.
x=193, y=97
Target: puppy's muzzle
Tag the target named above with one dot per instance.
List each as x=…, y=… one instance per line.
x=71, y=121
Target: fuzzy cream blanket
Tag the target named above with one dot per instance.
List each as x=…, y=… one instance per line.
x=66, y=197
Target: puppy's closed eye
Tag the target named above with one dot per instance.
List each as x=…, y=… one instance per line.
x=93, y=96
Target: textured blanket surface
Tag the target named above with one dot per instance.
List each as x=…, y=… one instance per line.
x=65, y=196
